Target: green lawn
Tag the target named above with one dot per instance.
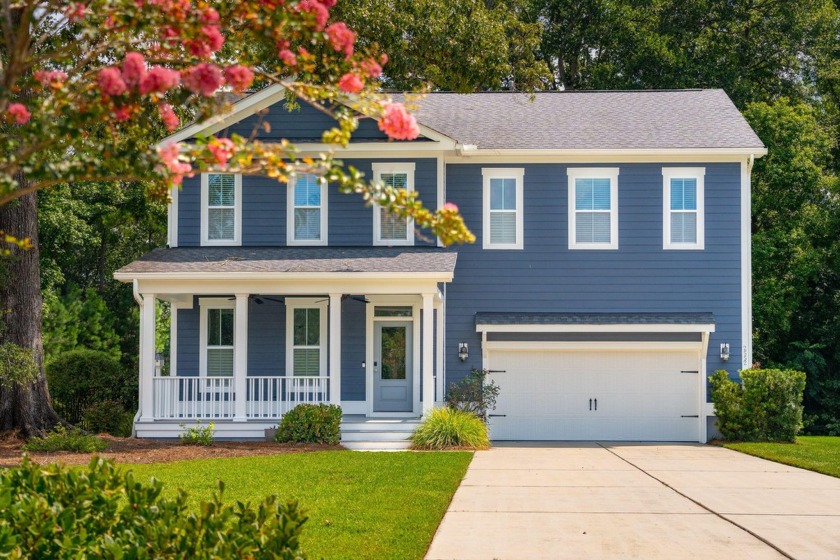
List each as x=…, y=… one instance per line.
x=816, y=453
x=360, y=505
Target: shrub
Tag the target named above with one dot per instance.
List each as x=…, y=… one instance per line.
x=311, y=423
x=446, y=428
x=198, y=434
x=473, y=394
x=101, y=512
x=62, y=439
x=80, y=378
x=109, y=417
x=765, y=406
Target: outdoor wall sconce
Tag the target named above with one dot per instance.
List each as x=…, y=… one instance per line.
x=463, y=351
x=724, y=351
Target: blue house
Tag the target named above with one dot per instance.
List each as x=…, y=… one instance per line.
x=610, y=277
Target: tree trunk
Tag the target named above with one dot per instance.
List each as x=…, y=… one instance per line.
x=25, y=408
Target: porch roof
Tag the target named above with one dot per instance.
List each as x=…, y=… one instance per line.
x=213, y=261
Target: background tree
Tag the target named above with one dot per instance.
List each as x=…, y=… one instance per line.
x=85, y=86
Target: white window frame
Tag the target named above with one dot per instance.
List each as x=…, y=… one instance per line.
x=611, y=173
x=518, y=174
x=205, y=305
x=205, y=211
x=379, y=169
x=306, y=303
x=698, y=174
x=290, y=215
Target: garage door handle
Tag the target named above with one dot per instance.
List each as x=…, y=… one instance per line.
x=596, y=404
x=497, y=415
x=590, y=404
x=690, y=416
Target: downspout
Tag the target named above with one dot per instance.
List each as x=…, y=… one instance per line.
x=139, y=300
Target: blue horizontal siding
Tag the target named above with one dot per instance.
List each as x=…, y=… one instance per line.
x=639, y=276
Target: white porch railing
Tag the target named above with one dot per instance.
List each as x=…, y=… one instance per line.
x=213, y=398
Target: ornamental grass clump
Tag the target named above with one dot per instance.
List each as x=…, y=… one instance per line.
x=446, y=428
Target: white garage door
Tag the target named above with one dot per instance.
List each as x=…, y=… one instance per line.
x=595, y=395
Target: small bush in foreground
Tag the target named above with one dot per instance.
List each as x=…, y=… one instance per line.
x=62, y=439
x=107, y=416
x=198, y=434
x=311, y=423
x=446, y=428
x=473, y=394
x=765, y=406
x=100, y=512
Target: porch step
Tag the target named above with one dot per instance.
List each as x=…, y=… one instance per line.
x=377, y=434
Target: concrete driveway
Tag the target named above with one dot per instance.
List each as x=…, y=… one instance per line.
x=606, y=501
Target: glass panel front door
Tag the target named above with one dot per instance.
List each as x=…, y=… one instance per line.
x=392, y=367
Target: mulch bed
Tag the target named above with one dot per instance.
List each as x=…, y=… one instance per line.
x=132, y=450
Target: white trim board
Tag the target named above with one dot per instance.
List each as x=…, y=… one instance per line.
x=564, y=328
x=746, y=264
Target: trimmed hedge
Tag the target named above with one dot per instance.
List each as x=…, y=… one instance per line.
x=61, y=513
x=765, y=406
x=81, y=378
x=311, y=423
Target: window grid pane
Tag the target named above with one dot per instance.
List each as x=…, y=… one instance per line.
x=219, y=362
x=683, y=194
x=502, y=194
x=306, y=341
x=307, y=191
x=684, y=227
x=392, y=227
x=592, y=194
x=308, y=223
x=221, y=190
x=503, y=226
x=221, y=223
x=220, y=327
x=593, y=227
x=307, y=361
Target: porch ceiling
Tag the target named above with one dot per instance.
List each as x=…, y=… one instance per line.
x=215, y=262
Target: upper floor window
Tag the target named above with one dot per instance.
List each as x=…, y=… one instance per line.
x=389, y=229
x=683, y=207
x=306, y=335
x=593, y=208
x=217, y=342
x=221, y=205
x=307, y=215
x=503, y=204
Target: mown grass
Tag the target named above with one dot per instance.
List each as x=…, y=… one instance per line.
x=815, y=453
x=360, y=505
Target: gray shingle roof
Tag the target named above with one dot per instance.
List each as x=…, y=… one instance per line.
x=541, y=318
x=214, y=260
x=611, y=120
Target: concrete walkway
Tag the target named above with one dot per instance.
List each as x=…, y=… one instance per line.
x=609, y=501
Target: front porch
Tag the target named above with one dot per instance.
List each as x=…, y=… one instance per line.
x=244, y=351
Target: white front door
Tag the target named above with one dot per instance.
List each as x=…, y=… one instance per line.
x=393, y=377
x=595, y=394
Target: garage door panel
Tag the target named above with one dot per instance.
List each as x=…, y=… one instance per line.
x=641, y=395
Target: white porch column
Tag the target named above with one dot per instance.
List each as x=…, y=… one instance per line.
x=428, y=387
x=147, y=358
x=240, y=358
x=440, y=389
x=335, y=349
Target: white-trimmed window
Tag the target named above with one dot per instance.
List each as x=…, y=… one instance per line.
x=216, y=328
x=683, y=208
x=307, y=210
x=389, y=229
x=593, y=208
x=221, y=209
x=306, y=337
x=503, y=226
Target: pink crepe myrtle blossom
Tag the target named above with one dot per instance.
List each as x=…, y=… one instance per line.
x=204, y=78
x=222, y=149
x=209, y=41
x=328, y=4
x=397, y=123
x=133, y=69
x=19, y=113
x=110, y=81
x=341, y=38
x=371, y=68
x=288, y=57
x=170, y=157
x=75, y=12
x=168, y=116
x=210, y=16
x=318, y=10
x=450, y=207
x=159, y=79
x=122, y=114
x=52, y=78
x=239, y=77
x=350, y=83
